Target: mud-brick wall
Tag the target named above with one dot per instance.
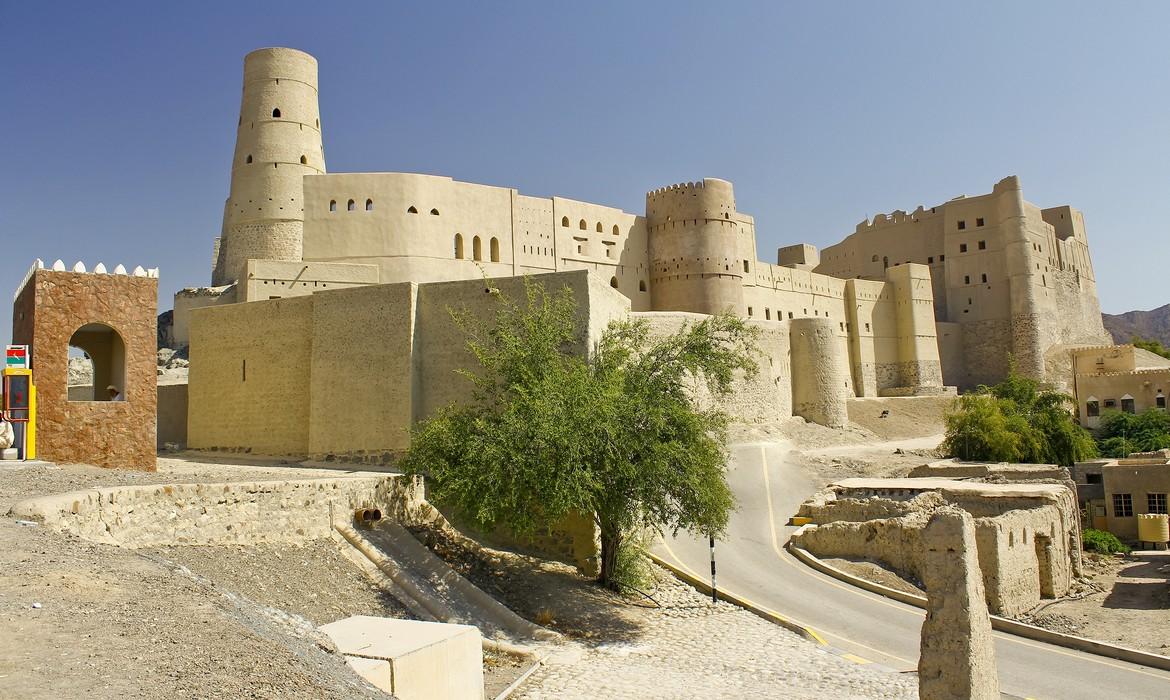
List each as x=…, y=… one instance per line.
x=51, y=307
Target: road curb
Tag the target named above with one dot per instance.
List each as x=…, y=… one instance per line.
x=1002, y=624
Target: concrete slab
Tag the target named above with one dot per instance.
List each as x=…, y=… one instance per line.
x=428, y=660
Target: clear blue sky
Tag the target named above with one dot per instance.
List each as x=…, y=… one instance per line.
x=117, y=119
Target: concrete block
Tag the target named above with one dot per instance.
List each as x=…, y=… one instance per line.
x=376, y=671
x=427, y=660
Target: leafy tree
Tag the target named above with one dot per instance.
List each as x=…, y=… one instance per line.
x=1154, y=346
x=615, y=434
x=1122, y=433
x=1017, y=420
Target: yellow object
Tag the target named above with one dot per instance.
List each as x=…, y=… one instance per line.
x=800, y=520
x=1153, y=527
x=30, y=431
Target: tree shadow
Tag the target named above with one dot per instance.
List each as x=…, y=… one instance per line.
x=1154, y=595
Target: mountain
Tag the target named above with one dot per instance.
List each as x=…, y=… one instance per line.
x=1152, y=325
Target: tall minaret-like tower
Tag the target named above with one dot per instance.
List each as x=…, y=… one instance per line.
x=277, y=143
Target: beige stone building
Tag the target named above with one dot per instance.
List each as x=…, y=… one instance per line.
x=1115, y=492
x=1118, y=378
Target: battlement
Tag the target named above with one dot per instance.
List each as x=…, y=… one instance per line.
x=710, y=198
x=98, y=269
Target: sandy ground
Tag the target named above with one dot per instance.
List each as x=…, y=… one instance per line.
x=79, y=619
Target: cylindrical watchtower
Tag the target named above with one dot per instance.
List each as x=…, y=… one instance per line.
x=694, y=255
x=278, y=141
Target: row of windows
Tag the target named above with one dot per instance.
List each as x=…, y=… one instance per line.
x=963, y=223
x=885, y=261
x=477, y=248
x=304, y=160
x=963, y=246
x=1093, y=407
x=982, y=278
x=352, y=206
x=584, y=226
x=614, y=283
x=276, y=115
x=780, y=315
x=1123, y=504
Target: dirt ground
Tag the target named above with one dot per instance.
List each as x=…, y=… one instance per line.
x=79, y=619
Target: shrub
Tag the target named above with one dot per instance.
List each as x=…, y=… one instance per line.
x=1103, y=542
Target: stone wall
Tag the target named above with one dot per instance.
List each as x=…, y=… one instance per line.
x=820, y=372
x=120, y=309
x=224, y=513
x=172, y=414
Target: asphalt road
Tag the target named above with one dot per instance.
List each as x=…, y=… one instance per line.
x=753, y=564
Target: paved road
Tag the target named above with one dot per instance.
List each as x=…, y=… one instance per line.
x=753, y=563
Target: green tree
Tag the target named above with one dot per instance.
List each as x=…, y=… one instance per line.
x=1017, y=420
x=1122, y=433
x=615, y=434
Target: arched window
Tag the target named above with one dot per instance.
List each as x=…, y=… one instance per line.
x=613, y=282
x=583, y=226
x=459, y=246
x=304, y=160
x=565, y=221
x=434, y=212
x=476, y=248
x=885, y=262
x=874, y=259
x=333, y=205
x=616, y=230
x=599, y=228
x=411, y=210
x=642, y=285
x=349, y=206
x=276, y=113
x=495, y=249
x=99, y=355
x=248, y=159
x=369, y=205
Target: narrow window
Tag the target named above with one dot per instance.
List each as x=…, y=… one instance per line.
x=494, y=247
x=885, y=262
x=369, y=205
x=599, y=228
x=866, y=325
x=304, y=160
x=613, y=282
x=350, y=206
x=248, y=159
x=616, y=230
x=1092, y=409
x=745, y=266
x=979, y=221
x=459, y=246
x=942, y=258
x=1155, y=503
x=476, y=248
x=768, y=314
x=930, y=260
x=1127, y=405
x=962, y=247
x=1160, y=400
x=982, y=245
x=583, y=226
x=749, y=311
x=962, y=225
x=333, y=205
x=565, y=221
x=276, y=113
x=966, y=279
x=1122, y=505
x=244, y=363
x=983, y=277
x=411, y=210
x=642, y=285
x=434, y=212
x=873, y=259
x=789, y=314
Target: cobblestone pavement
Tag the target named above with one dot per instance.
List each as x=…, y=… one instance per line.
x=692, y=648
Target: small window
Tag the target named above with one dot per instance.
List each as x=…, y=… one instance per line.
x=1127, y=405
x=434, y=212
x=749, y=311
x=874, y=259
x=1122, y=505
x=942, y=258
x=642, y=285
x=962, y=247
x=746, y=267
x=962, y=225
x=476, y=248
x=580, y=249
x=1092, y=409
x=565, y=222
x=583, y=226
x=982, y=245
x=616, y=231
x=768, y=314
x=369, y=205
x=458, y=246
x=599, y=228
x=276, y=113
x=613, y=282
x=983, y=277
x=494, y=249
x=411, y=210
x=350, y=206
x=1094, y=479
x=333, y=205
x=885, y=262
x=789, y=314
x=248, y=159
x=304, y=160
x=966, y=279
x=969, y=301
x=979, y=221
x=1155, y=503
x=930, y=260
x=1110, y=403
x=1160, y=400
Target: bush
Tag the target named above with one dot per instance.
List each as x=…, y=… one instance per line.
x=1103, y=542
x=1121, y=433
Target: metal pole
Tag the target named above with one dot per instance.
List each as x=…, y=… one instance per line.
x=714, y=595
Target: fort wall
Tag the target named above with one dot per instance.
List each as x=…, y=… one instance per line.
x=820, y=372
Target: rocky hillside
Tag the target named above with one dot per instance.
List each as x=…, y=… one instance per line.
x=1151, y=325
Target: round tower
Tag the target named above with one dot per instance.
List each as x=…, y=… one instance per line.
x=278, y=141
x=694, y=254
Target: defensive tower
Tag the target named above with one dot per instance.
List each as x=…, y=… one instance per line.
x=278, y=141
x=694, y=261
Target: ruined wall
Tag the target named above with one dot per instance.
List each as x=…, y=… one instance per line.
x=186, y=301
x=117, y=316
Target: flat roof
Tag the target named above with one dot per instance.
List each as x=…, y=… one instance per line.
x=974, y=487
